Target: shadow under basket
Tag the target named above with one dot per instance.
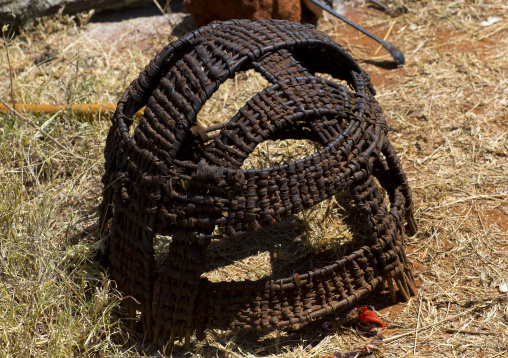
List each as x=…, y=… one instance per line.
x=172, y=178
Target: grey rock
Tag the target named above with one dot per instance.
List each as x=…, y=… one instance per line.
x=18, y=12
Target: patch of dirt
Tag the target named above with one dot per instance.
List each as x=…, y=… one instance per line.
x=361, y=47
x=496, y=217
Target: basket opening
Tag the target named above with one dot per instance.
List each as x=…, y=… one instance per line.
x=230, y=97
x=161, y=245
x=311, y=239
x=272, y=153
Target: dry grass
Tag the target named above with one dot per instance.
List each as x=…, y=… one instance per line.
x=448, y=113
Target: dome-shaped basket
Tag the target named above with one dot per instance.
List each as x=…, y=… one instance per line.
x=169, y=178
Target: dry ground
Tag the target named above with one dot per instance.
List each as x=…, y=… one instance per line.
x=448, y=113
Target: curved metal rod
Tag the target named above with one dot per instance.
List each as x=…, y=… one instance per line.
x=392, y=49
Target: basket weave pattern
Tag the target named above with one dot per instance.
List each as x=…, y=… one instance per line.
x=170, y=178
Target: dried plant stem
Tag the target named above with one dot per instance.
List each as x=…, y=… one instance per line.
x=47, y=135
x=394, y=338
x=225, y=350
x=77, y=109
x=386, y=37
x=417, y=323
x=464, y=331
x=6, y=44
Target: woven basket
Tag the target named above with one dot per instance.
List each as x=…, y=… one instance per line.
x=169, y=178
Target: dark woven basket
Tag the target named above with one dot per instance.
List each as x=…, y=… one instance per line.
x=171, y=179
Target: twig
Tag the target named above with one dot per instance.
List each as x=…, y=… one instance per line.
x=461, y=223
x=47, y=135
x=479, y=217
x=417, y=323
x=163, y=12
x=493, y=32
x=420, y=162
x=6, y=44
x=394, y=338
x=484, y=258
x=224, y=349
x=482, y=196
x=451, y=330
x=386, y=37
x=159, y=7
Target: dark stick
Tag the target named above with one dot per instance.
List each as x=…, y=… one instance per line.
x=378, y=4
x=392, y=49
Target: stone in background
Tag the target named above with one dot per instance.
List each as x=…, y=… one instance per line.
x=25, y=10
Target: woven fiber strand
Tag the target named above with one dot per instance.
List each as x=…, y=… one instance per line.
x=170, y=178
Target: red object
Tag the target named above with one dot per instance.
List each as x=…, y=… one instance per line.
x=366, y=315
x=205, y=11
